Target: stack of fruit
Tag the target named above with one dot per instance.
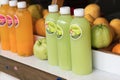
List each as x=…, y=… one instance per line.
x=38, y=16
x=104, y=34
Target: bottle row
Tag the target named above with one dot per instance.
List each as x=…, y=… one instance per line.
x=68, y=40
x=16, y=27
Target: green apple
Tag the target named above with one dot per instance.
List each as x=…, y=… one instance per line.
x=40, y=49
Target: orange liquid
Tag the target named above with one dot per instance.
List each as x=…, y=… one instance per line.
x=11, y=27
x=24, y=33
x=4, y=29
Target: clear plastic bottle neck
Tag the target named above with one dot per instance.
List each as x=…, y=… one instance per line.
x=22, y=9
x=53, y=12
x=64, y=14
x=78, y=16
x=4, y=5
x=13, y=6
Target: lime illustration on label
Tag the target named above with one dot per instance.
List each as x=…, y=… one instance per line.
x=9, y=21
x=59, y=32
x=16, y=21
x=75, y=31
x=50, y=27
x=2, y=20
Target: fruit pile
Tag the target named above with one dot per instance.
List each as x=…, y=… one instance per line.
x=105, y=35
x=38, y=15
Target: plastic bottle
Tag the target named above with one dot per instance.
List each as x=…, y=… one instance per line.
x=63, y=38
x=0, y=28
x=10, y=19
x=24, y=31
x=80, y=37
x=51, y=37
x=3, y=25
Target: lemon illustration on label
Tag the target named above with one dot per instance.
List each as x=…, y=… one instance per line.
x=50, y=27
x=75, y=31
x=59, y=32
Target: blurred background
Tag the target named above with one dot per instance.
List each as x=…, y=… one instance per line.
x=109, y=8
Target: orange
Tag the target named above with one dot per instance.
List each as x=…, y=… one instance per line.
x=101, y=20
x=93, y=10
x=45, y=13
x=90, y=19
x=40, y=27
x=115, y=24
x=116, y=49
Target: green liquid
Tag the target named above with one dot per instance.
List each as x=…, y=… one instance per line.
x=63, y=42
x=81, y=47
x=52, y=39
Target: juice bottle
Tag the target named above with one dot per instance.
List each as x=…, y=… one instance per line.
x=63, y=38
x=24, y=31
x=0, y=28
x=10, y=16
x=3, y=25
x=50, y=34
x=80, y=38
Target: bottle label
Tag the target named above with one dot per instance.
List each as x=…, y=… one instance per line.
x=2, y=20
x=75, y=31
x=50, y=27
x=9, y=21
x=16, y=21
x=59, y=32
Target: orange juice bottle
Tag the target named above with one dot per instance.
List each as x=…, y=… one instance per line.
x=10, y=16
x=4, y=26
x=24, y=31
x=0, y=28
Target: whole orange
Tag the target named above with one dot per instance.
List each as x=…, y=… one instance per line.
x=115, y=24
x=101, y=20
x=45, y=13
x=93, y=10
x=116, y=49
x=40, y=27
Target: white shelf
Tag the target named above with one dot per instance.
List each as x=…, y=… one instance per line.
x=44, y=66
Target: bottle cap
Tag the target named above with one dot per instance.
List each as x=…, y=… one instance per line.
x=4, y=2
x=53, y=8
x=21, y=4
x=65, y=10
x=13, y=3
x=79, y=12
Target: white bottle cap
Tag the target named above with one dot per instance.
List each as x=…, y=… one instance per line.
x=21, y=4
x=53, y=8
x=13, y=3
x=79, y=12
x=65, y=10
x=4, y=2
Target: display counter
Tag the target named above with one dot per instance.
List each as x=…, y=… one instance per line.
x=31, y=68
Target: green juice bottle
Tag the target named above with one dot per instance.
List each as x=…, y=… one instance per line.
x=80, y=38
x=63, y=38
x=51, y=37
